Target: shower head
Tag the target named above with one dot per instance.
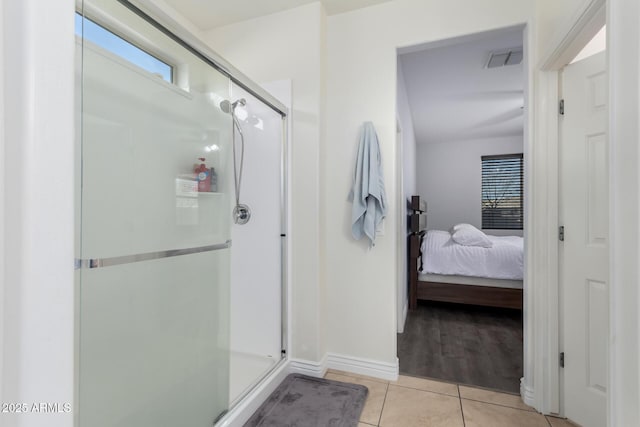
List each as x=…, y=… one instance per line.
x=225, y=106
x=228, y=107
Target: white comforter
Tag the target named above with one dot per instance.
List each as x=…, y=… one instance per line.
x=441, y=255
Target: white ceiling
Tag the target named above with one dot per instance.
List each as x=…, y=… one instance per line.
x=208, y=14
x=454, y=97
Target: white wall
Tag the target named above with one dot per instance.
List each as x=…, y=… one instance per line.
x=38, y=296
x=2, y=203
x=361, y=86
x=450, y=179
x=162, y=7
x=289, y=45
x=256, y=291
x=624, y=115
x=551, y=15
x=409, y=188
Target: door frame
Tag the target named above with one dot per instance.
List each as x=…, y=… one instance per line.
x=545, y=262
x=622, y=18
x=401, y=253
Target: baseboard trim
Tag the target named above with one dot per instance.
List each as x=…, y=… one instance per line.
x=241, y=412
x=527, y=394
x=371, y=368
x=307, y=367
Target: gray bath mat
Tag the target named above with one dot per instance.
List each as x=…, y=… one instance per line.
x=302, y=401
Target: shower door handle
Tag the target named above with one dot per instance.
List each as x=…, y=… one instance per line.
x=129, y=259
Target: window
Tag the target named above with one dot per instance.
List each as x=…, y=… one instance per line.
x=107, y=40
x=502, y=179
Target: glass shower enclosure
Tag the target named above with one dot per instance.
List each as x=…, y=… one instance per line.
x=179, y=310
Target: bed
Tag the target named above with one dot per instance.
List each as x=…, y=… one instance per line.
x=439, y=269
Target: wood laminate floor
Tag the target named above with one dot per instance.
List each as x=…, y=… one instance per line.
x=465, y=344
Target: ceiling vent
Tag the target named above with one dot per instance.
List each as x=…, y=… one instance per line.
x=502, y=58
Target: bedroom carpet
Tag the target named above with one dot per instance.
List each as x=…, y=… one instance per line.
x=302, y=401
x=465, y=344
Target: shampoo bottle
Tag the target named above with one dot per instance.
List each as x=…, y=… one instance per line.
x=202, y=176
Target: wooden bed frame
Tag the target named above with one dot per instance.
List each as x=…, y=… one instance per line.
x=450, y=292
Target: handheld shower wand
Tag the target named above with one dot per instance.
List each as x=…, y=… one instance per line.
x=241, y=212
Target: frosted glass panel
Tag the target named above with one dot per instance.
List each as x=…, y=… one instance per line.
x=154, y=335
x=139, y=185
x=144, y=137
x=154, y=342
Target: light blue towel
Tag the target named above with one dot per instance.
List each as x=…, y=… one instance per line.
x=368, y=195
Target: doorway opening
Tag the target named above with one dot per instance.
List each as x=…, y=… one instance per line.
x=461, y=107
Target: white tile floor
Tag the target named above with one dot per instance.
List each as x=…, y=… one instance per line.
x=411, y=402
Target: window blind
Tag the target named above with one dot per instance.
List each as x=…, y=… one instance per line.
x=502, y=192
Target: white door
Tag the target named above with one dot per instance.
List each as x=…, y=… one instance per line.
x=584, y=207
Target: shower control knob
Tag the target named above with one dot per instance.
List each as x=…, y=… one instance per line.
x=241, y=214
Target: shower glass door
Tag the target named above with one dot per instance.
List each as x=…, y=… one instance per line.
x=153, y=342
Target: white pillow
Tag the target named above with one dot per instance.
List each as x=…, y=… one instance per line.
x=471, y=236
x=459, y=226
